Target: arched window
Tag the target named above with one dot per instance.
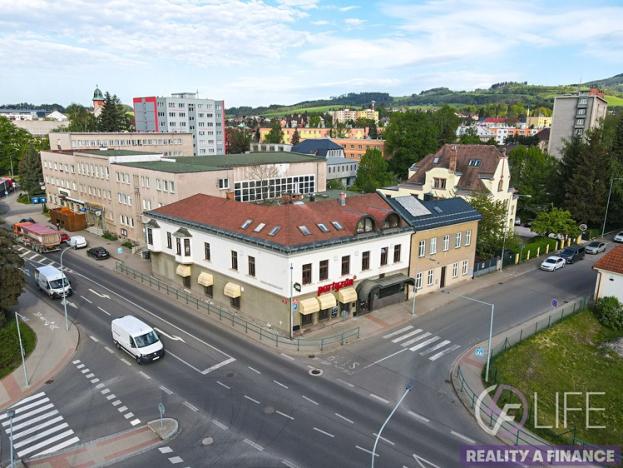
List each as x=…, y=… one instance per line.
x=365, y=224
x=391, y=221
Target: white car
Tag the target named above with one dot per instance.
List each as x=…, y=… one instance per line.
x=553, y=263
x=619, y=237
x=77, y=242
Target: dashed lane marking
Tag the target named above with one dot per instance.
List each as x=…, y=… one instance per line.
x=280, y=384
x=125, y=361
x=383, y=439
x=462, y=437
x=223, y=385
x=255, y=445
x=285, y=415
x=252, y=399
x=254, y=370
x=328, y=434
x=218, y=423
x=419, y=416
x=104, y=310
x=144, y=375
x=366, y=450
x=122, y=409
x=345, y=382
x=86, y=300
x=350, y=421
x=288, y=463
x=128, y=415
x=310, y=400
x=110, y=350
x=166, y=449
x=287, y=356
x=166, y=390
x=93, y=338
x=134, y=422
x=381, y=399
x=191, y=407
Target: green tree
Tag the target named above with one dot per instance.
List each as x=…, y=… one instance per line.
x=31, y=174
x=238, y=140
x=470, y=137
x=492, y=225
x=335, y=184
x=314, y=121
x=14, y=142
x=80, y=119
x=446, y=122
x=555, y=221
x=296, y=138
x=373, y=172
x=11, y=278
x=113, y=116
x=276, y=133
x=338, y=130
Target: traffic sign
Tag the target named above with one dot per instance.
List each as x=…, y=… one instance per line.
x=554, y=302
x=297, y=287
x=479, y=352
x=295, y=306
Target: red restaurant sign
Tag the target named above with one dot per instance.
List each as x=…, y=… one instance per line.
x=335, y=286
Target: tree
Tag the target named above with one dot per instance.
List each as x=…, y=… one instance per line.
x=13, y=143
x=113, y=116
x=11, y=278
x=446, y=122
x=238, y=140
x=373, y=132
x=555, y=221
x=492, y=225
x=609, y=312
x=373, y=172
x=295, y=137
x=276, y=133
x=339, y=130
x=30, y=171
x=335, y=184
x=314, y=121
x=470, y=137
x=80, y=119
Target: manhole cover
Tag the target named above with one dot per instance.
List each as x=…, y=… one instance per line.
x=207, y=441
x=315, y=372
x=48, y=382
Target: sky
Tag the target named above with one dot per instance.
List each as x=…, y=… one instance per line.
x=261, y=52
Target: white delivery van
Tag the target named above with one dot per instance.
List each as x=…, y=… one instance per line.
x=137, y=339
x=52, y=281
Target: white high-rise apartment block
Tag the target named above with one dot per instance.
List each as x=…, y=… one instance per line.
x=184, y=113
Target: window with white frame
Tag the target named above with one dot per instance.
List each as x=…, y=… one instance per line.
x=223, y=183
x=455, y=270
x=446, y=242
x=429, y=281
x=418, y=281
x=433, y=246
x=422, y=248
x=468, y=237
x=457, y=240
x=465, y=267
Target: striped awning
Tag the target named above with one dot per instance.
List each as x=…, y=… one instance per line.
x=327, y=301
x=346, y=295
x=232, y=290
x=309, y=306
x=205, y=279
x=183, y=270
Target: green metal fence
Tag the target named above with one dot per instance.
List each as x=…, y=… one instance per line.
x=263, y=334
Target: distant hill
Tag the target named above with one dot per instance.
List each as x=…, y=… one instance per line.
x=499, y=93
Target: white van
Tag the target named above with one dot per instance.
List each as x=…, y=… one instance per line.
x=52, y=281
x=77, y=242
x=137, y=339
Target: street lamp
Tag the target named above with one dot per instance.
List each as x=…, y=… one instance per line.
x=65, y=290
x=378, y=436
x=490, y=327
x=291, y=305
x=11, y=414
x=603, y=229
x=21, y=347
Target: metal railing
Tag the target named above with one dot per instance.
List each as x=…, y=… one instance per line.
x=238, y=323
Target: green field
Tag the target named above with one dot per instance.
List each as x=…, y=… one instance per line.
x=300, y=109
x=568, y=357
x=10, y=357
x=614, y=101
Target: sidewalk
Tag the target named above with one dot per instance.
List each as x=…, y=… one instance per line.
x=53, y=350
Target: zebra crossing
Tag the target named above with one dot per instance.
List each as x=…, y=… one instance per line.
x=37, y=427
x=419, y=340
x=35, y=257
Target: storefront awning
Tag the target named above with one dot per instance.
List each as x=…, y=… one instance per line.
x=205, y=279
x=309, y=306
x=183, y=270
x=327, y=301
x=347, y=295
x=232, y=290
x=377, y=285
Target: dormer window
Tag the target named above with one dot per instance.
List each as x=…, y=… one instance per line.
x=436, y=160
x=391, y=221
x=365, y=225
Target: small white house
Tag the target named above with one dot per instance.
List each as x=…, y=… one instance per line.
x=610, y=274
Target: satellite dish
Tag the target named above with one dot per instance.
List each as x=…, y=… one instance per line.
x=583, y=227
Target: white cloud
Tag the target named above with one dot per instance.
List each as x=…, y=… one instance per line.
x=354, y=22
x=348, y=8
x=320, y=22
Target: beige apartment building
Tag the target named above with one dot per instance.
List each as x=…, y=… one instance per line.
x=114, y=187
x=169, y=144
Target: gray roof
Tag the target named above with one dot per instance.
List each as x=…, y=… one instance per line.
x=431, y=214
x=316, y=146
x=333, y=160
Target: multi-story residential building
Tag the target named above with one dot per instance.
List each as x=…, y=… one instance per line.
x=346, y=115
x=538, y=121
x=169, y=144
x=573, y=116
x=461, y=171
x=306, y=133
x=355, y=148
x=113, y=187
x=182, y=113
x=289, y=266
x=443, y=246
x=498, y=132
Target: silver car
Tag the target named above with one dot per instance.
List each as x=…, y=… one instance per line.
x=619, y=237
x=595, y=247
x=553, y=263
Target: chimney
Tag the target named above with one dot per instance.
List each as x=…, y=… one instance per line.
x=342, y=199
x=453, y=158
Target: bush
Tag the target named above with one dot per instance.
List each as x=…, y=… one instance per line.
x=128, y=244
x=110, y=236
x=609, y=312
x=23, y=198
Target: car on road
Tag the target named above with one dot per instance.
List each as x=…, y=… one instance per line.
x=77, y=242
x=619, y=237
x=137, y=339
x=98, y=253
x=595, y=247
x=553, y=263
x=573, y=253
x=27, y=220
x=52, y=281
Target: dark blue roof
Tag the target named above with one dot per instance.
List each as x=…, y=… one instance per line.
x=316, y=146
x=442, y=212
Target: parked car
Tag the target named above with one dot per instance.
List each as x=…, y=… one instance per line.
x=137, y=339
x=98, y=253
x=77, y=242
x=27, y=220
x=619, y=237
x=553, y=263
x=573, y=253
x=595, y=247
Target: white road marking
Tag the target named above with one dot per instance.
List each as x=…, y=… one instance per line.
x=71, y=304
x=171, y=337
x=280, y=384
x=461, y=436
x=93, y=338
x=288, y=463
x=398, y=332
x=285, y=415
x=310, y=400
x=219, y=365
x=125, y=361
x=384, y=439
x=86, y=300
x=254, y=370
x=49, y=441
x=106, y=296
x=424, y=343
x=105, y=391
x=136, y=421
x=223, y=385
x=84, y=371
x=77, y=361
x=18, y=435
x=191, y=407
x=434, y=357
x=417, y=338
x=112, y=396
x=144, y=375
x=110, y=350
x=17, y=427
x=27, y=415
x=128, y=415
x=407, y=335
x=21, y=409
x=252, y=399
x=435, y=348
x=345, y=382
x=381, y=399
x=94, y=381
x=100, y=385
x=386, y=357
x=60, y=446
x=25, y=400
x=218, y=423
x=287, y=356
x=166, y=390
x=419, y=416
x=24, y=253
x=366, y=450
x=175, y=460
x=324, y=432
x=122, y=409
x=104, y=310
x=79, y=366
x=166, y=449
x=254, y=445
x=116, y=402
x=350, y=421
x=88, y=376
x=420, y=461
x=34, y=256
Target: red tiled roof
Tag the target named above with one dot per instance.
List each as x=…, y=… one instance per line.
x=495, y=120
x=611, y=261
x=229, y=215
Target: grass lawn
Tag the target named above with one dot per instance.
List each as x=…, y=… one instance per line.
x=569, y=357
x=614, y=101
x=10, y=357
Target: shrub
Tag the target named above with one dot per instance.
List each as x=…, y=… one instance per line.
x=23, y=198
x=128, y=244
x=609, y=312
x=110, y=236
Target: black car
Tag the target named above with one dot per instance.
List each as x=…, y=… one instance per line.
x=98, y=253
x=573, y=253
x=27, y=220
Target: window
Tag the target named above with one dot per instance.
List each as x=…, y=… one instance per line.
x=446, y=242
x=186, y=282
x=422, y=248
x=223, y=183
x=474, y=162
x=234, y=260
x=439, y=183
x=365, y=225
x=251, y=266
x=391, y=221
x=169, y=241
x=365, y=260
x=457, y=240
x=307, y=273
x=274, y=231
x=304, y=230
x=465, y=267
x=209, y=291
x=397, y=249
x=433, y=246
x=259, y=227
x=455, y=270
x=324, y=270
x=322, y=227
x=206, y=251
x=345, y=264
x=501, y=185
x=150, y=236
x=337, y=225
x=579, y=122
x=468, y=237
x=418, y=281
x=384, y=255
x=429, y=281
x=235, y=302
x=187, y=247
x=178, y=246
x=246, y=224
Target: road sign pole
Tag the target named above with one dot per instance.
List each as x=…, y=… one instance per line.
x=161, y=411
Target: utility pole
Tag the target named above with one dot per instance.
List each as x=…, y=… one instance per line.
x=65, y=289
